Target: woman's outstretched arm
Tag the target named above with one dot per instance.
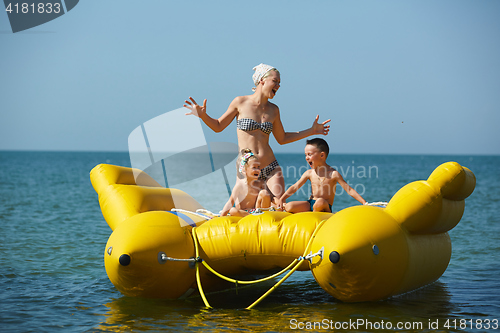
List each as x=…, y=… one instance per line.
x=217, y=125
x=283, y=137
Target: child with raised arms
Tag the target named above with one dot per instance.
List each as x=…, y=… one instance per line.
x=248, y=193
x=323, y=178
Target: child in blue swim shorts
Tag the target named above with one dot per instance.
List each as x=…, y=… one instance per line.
x=323, y=178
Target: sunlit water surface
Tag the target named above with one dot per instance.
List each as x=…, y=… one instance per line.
x=52, y=239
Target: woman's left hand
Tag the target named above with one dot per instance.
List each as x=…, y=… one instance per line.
x=320, y=128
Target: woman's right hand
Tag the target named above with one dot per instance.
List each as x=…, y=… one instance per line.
x=196, y=109
x=322, y=128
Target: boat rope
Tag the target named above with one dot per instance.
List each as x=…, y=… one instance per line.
x=206, y=212
x=206, y=217
x=197, y=265
x=164, y=257
x=252, y=281
x=378, y=203
x=270, y=209
x=295, y=264
x=291, y=271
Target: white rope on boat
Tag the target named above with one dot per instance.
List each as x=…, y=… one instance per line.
x=378, y=203
x=206, y=217
x=164, y=257
x=256, y=212
x=207, y=212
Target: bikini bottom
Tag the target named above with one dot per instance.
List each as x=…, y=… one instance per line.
x=265, y=172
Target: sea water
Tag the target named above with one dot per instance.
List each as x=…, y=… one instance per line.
x=53, y=236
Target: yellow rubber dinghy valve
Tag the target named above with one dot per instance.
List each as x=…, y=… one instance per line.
x=334, y=257
x=124, y=259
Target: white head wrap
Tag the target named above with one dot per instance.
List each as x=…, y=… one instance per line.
x=260, y=71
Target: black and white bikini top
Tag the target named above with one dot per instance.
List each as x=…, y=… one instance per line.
x=246, y=124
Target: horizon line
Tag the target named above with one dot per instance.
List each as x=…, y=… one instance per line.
x=276, y=153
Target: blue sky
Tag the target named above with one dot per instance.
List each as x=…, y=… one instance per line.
x=412, y=77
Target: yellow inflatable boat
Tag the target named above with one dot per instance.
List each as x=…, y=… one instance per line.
x=362, y=253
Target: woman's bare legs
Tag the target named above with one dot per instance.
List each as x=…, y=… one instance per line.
x=276, y=183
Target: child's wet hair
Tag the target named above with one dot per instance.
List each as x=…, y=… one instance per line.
x=321, y=144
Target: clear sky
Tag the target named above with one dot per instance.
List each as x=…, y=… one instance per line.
x=415, y=77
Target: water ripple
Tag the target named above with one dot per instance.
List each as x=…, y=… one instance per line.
x=52, y=239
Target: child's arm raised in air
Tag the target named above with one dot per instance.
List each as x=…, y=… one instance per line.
x=292, y=189
x=349, y=190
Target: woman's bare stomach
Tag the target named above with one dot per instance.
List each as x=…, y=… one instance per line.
x=259, y=144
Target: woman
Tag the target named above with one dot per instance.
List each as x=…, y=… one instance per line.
x=256, y=118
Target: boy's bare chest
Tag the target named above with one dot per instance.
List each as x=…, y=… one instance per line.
x=324, y=179
x=322, y=184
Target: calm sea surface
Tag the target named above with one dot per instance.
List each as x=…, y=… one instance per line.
x=53, y=235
